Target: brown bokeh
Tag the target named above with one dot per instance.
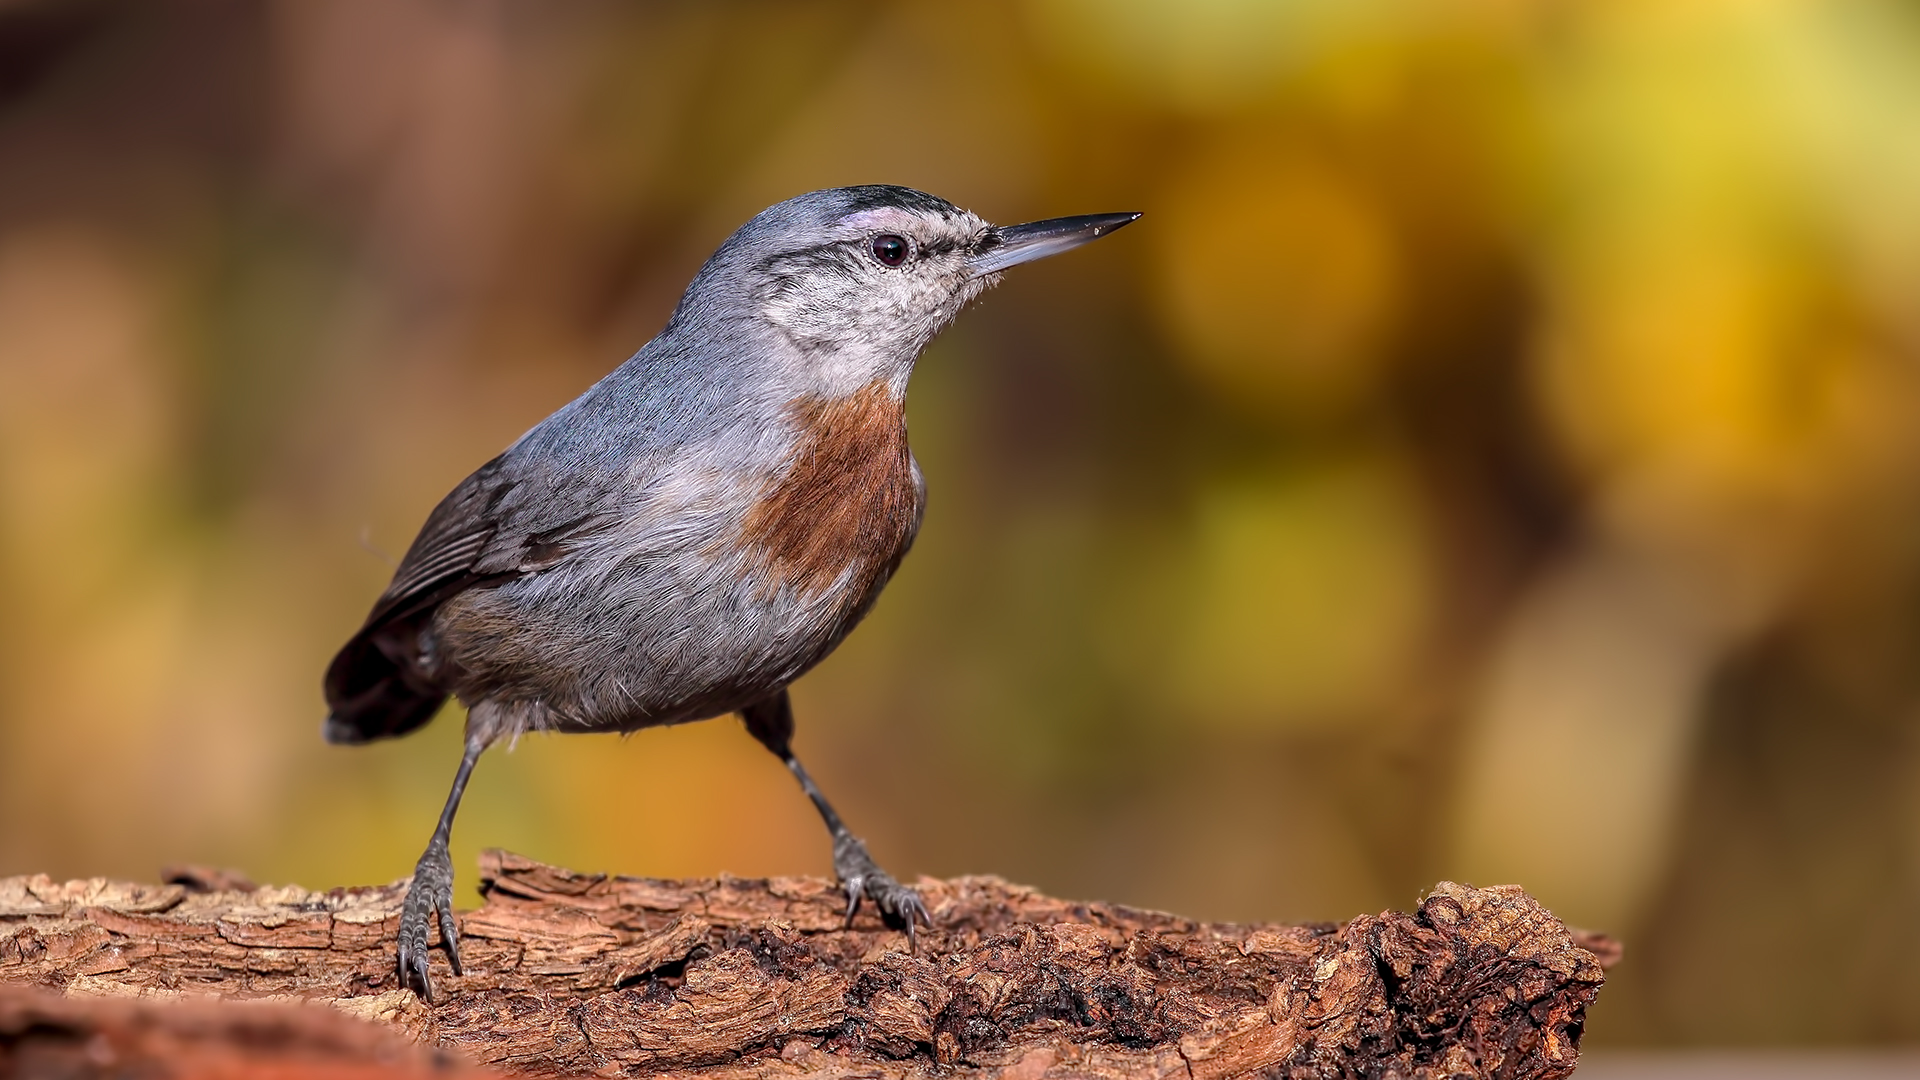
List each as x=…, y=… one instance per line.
x=1496, y=456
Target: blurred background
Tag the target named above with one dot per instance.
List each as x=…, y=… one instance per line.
x=1495, y=456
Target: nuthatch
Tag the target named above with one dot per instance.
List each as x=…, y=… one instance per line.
x=700, y=527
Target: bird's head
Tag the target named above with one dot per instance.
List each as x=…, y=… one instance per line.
x=859, y=279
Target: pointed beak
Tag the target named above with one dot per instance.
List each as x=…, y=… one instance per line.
x=1011, y=245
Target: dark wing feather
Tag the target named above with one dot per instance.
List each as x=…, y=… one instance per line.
x=518, y=514
x=376, y=687
x=450, y=557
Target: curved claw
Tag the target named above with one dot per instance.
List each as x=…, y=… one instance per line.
x=856, y=888
x=449, y=936
x=899, y=905
x=430, y=894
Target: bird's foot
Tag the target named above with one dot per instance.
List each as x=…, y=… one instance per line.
x=862, y=878
x=430, y=892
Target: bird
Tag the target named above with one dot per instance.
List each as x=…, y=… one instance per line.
x=699, y=527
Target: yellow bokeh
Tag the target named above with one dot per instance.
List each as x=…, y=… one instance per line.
x=1281, y=277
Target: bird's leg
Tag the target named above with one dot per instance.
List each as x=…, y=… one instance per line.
x=771, y=722
x=859, y=875
x=431, y=890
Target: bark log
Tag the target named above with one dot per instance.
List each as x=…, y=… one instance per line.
x=574, y=974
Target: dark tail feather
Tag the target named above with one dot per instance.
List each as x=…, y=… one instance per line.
x=371, y=696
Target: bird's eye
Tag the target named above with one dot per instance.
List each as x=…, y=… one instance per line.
x=891, y=250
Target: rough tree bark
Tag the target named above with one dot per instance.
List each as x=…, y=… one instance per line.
x=578, y=974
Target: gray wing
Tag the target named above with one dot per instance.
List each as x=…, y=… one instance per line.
x=496, y=524
x=499, y=523
x=577, y=472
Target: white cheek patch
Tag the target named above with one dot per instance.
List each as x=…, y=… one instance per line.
x=857, y=328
